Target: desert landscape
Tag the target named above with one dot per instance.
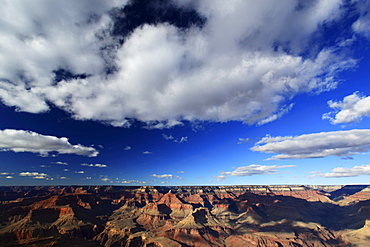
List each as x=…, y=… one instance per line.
x=281, y=215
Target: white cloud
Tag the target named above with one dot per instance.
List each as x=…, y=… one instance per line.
x=244, y=64
x=252, y=170
x=220, y=178
x=28, y=141
x=284, y=110
x=316, y=145
x=31, y=174
x=61, y=163
x=36, y=175
x=9, y=177
x=147, y=152
x=6, y=173
x=166, y=176
x=95, y=165
x=243, y=140
x=127, y=148
x=182, y=139
x=340, y=172
x=105, y=179
x=362, y=25
x=133, y=182
x=352, y=109
x=80, y=172
x=65, y=170
x=170, y=137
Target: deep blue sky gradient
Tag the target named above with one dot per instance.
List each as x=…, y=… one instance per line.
x=211, y=147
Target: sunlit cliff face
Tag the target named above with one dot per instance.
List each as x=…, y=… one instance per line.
x=192, y=215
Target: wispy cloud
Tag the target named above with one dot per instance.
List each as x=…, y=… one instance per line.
x=243, y=140
x=8, y=175
x=281, y=112
x=166, y=176
x=127, y=148
x=170, y=137
x=182, y=139
x=341, y=172
x=95, y=165
x=132, y=182
x=352, y=109
x=61, y=163
x=36, y=175
x=28, y=141
x=316, y=145
x=220, y=178
x=253, y=170
x=177, y=140
x=147, y=152
x=80, y=172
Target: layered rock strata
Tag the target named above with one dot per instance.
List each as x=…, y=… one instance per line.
x=185, y=216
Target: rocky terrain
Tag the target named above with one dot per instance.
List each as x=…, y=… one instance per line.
x=309, y=216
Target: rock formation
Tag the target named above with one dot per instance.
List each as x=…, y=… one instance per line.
x=185, y=216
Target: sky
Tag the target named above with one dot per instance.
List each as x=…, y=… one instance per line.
x=183, y=92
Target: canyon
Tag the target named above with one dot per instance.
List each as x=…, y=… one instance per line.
x=184, y=216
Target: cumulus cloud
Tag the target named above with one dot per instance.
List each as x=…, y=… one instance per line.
x=147, y=152
x=252, y=170
x=352, y=109
x=340, y=172
x=243, y=63
x=95, y=165
x=28, y=141
x=36, y=175
x=80, y=172
x=316, y=145
x=127, y=148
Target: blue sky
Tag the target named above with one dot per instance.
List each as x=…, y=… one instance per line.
x=184, y=92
